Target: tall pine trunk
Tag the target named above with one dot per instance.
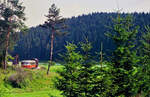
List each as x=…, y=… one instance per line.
x=51, y=51
x=53, y=21
x=7, y=45
x=6, y=50
x=8, y=10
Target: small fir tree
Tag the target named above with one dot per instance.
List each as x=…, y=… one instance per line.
x=68, y=82
x=124, y=57
x=81, y=77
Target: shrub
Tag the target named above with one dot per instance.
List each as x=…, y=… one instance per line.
x=20, y=79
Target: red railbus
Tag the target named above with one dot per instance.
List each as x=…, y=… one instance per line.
x=29, y=64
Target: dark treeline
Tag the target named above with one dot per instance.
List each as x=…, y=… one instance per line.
x=36, y=43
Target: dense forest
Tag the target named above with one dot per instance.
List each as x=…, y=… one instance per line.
x=36, y=42
x=81, y=44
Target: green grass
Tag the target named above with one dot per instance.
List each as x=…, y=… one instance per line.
x=32, y=94
x=52, y=68
x=42, y=85
x=46, y=93
x=43, y=63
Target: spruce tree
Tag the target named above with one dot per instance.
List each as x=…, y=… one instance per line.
x=68, y=80
x=78, y=75
x=86, y=71
x=81, y=77
x=124, y=57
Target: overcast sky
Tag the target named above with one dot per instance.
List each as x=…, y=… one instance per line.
x=36, y=9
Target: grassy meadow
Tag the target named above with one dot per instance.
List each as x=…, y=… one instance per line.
x=40, y=85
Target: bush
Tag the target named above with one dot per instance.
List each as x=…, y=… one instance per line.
x=20, y=79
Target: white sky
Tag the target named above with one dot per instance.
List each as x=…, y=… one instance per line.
x=36, y=9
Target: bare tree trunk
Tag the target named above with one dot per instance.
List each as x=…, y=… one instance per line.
x=51, y=51
x=7, y=45
x=6, y=50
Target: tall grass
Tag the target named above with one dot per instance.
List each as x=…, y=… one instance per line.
x=41, y=85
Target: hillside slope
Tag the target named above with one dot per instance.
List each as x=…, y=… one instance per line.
x=36, y=43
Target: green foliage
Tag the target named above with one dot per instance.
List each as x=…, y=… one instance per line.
x=9, y=57
x=11, y=21
x=145, y=47
x=145, y=61
x=67, y=83
x=124, y=57
x=81, y=76
x=92, y=25
x=40, y=85
x=57, y=68
x=54, y=23
x=3, y=91
x=103, y=82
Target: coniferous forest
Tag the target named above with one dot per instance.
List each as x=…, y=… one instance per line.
x=95, y=55
x=36, y=42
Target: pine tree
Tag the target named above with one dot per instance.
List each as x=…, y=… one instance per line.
x=55, y=23
x=11, y=21
x=124, y=57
